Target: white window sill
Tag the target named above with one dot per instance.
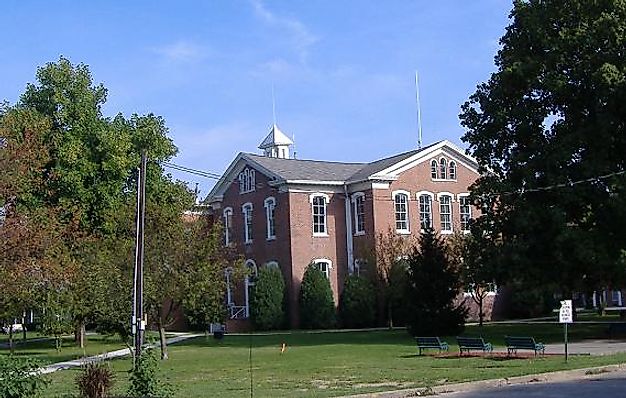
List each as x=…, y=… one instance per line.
x=443, y=179
x=466, y=231
x=320, y=235
x=270, y=238
x=403, y=232
x=446, y=232
x=359, y=233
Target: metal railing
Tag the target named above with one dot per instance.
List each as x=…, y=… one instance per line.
x=237, y=311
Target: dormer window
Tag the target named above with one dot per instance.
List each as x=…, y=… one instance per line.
x=246, y=181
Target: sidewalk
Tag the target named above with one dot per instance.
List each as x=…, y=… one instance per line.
x=109, y=355
x=588, y=347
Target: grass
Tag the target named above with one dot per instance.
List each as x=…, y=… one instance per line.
x=333, y=364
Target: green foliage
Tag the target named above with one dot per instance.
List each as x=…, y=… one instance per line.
x=357, y=304
x=267, y=303
x=317, y=308
x=95, y=380
x=19, y=378
x=554, y=113
x=144, y=378
x=434, y=284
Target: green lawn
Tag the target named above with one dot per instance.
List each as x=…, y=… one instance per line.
x=332, y=364
x=45, y=352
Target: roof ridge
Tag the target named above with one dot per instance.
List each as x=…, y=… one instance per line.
x=306, y=160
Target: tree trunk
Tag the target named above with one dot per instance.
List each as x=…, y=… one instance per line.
x=390, y=314
x=164, y=353
x=481, y=314
x=11, y=348
x=79, y=334
x=24, y=327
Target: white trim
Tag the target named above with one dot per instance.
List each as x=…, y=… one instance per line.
x=420, y=193
x=323, y=260
x=271, y=264
x=247, y=234
x=326, y=201
x=313, y=195
x=227, y=228
x=419, y=209
x=270, y=203
x=406, y=230
x=459, y=196
x=445, y=193
x=354, y=198
x=380, y=185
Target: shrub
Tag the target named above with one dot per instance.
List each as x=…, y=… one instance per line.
x=267, y=301
x=357, y=304
x=144, y=378
x=434, y=284
x=19, y=378
x=317, y=308
x=96, y=380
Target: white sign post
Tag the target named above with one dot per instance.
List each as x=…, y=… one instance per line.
x=566, y=316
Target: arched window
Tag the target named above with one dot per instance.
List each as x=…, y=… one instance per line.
x=272, y=264
x=443, y=169
x=324, y=265
x=247, y=222
x=246, y=181
x=452, y=170
x=318, y=210
x=465, y=212
x=358, y=199
x=434, y=167
x=426, y=209
x=401, y=203
x=270, y=224
x=445, y=212
x=228, y=225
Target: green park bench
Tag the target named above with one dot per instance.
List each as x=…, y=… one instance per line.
x=430, y=342
x=523, y=343
x=473, y=343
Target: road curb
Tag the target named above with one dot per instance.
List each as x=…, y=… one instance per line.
x=452, y=389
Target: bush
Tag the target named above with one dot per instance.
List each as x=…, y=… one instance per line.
x=317, y=308
x=434, y=284
x=357, y=304
x=144, y=378
x=267, y=308
x=96, y=380
x=19, y=378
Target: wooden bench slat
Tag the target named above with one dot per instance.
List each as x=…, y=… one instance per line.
x=473, y=343
x=430, y=342
x=514, y=343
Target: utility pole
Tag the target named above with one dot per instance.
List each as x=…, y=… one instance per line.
x=138, y=324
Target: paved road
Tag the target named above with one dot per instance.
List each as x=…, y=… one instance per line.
x=609, y=386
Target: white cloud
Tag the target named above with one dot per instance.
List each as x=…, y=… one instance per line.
x=182, y=51
x=301, y=38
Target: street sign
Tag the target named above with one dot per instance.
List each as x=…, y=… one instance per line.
x=566, y=313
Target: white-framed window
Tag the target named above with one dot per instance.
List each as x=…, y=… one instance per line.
x=246, y=209
x=359, y=265
x=443, y=168
x=490, y=289
x=425, y=200
x=253, y=271
x=324, y=265
x=228, y=225
x=270, y=223
x=445, y=212
x=401, y=207
x=247, y=181
x=452, y=170
x=272, y=264
x=358, y=200
x=465, y=212
x=434, y=169
x=319, y=202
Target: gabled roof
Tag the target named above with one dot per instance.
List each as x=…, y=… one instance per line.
x=298, y=171
x=306, y=170
x=275, y=138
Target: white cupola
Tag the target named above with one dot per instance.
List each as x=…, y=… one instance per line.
x=276, y=144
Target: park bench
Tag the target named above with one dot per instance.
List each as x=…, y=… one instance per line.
x=430, y=342
x=523, y=343
x=617, y=329
x=472, y=343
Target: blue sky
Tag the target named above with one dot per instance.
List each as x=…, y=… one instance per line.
x=343, y=71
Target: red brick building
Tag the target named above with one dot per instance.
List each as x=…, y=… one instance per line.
x=286, y=212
